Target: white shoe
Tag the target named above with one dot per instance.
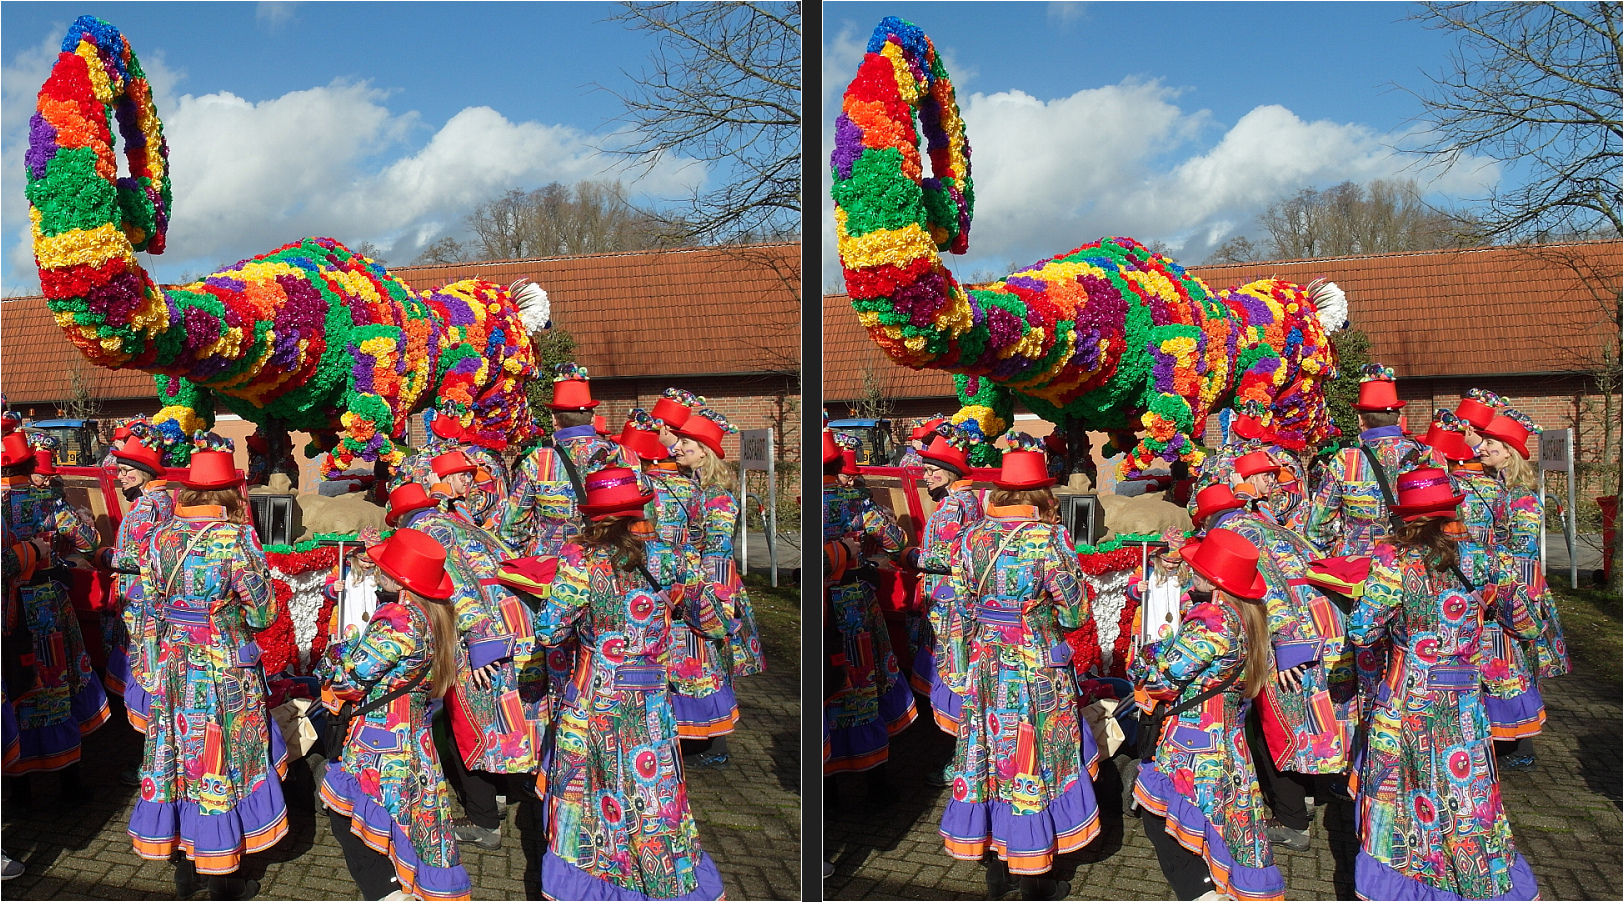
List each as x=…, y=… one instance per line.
x=398, y=895
x=1212, y=894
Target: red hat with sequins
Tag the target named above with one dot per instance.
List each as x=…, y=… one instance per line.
x=614, y=492
x=1427, y=492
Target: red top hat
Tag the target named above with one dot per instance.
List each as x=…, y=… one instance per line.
x=405, y=499
x=943, y=452
x=16, y=450
x=450, y=463
x=136, y=454
x=600, y=425
x=642, y=443
x=44, y=462
x=923, y=430
x=672, y=412
x=415, y=561
x=572, y=394
x=211, y=470
x=1214, y=499
x=447, y=427
x=1475, y=412
x=258, y=442
x=705, y=431
x=121, y=433
x=613, y=492
x=848, y=462
x=1247, y=427
x=1230, y=561
x=1378, y=393
x=1505, y=429
x=1451, y=444
x=1024, y=470
x=1426, y=492
x=831, y=450
x=1249, y=465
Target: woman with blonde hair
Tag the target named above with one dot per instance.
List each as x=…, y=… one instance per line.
x=386, y=795
x=703, y=671
x=1504, y=452
x=1022, y=772
x=1198, y=792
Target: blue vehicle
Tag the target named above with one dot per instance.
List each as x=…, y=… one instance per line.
x=78, y=444
x=875, y=448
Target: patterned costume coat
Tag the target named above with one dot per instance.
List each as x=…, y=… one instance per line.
x=1204, y=751
x=390, y=752
x=1306, y=730
x=510, y=717
x=156, y=506
x=1486, y=514
x=940, y=631
x=205, y=589
x=484, y=504
x=1550, y=650
x=720, y=514
x=871, y=667
x=541, y=512
x=1429, y=798
x=1347, y=513
x=1017, y=589
x=616, y=794
x=38, y=609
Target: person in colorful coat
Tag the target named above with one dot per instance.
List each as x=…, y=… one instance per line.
x=1023, y=767
x=1198, y=794
x=484, y=502
x=55, y=694
x=211, y=771
x=386, y=797
x=918, y=440
x=499, y=707
x=1247, y=432
x=946, y=464
x=1430, y=820
x=1504, y=454
x=875, y=701
x=620, y=826
x=703, y=672
x=1303, y=714
x=352, y=590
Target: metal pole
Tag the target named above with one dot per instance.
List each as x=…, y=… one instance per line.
x=772, y=509
x=1543, y=568
x=1573, y=522
x=743, y=525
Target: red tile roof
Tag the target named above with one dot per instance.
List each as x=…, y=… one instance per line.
x=683, y=312
x=1481, y=311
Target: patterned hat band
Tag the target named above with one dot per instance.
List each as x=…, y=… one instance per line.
x=1423, y=484
x=610, y=483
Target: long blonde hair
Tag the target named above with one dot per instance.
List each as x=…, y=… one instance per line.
x=444, y=662
x=1519, y=472
x=230, y=499
x=1259, y=649
x=714, y=472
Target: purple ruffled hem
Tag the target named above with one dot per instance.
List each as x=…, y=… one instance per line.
x=1374, y=880
x=118, y=671
x=1022, y=834
x=1265, y=882
x=137, y=700
x=718, y=706
x=863, y=740
x=945, y=702
x=1522, y=708
x=562, y=880
x=924, y=666
x=59, y=739
x=441, y=882
x=211, y=834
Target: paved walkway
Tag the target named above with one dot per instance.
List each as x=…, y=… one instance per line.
x=1565, y=816
x=749, y=814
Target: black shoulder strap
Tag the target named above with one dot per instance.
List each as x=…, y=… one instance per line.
x=1381, y=479
x=643, y=566
x=1229, y=681
x=574, y=475
x=1461, y=575
x=374, y=705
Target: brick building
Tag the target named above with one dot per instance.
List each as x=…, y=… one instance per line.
x=722, y=322
x=1535, y=324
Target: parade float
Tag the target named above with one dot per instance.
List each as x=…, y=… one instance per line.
x=1109, y=337
x=309, y=337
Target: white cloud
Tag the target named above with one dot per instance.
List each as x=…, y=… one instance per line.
x=336, y=161
x=275, y=14
x=1127, y=160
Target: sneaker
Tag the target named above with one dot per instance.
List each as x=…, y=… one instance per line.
x=1295, y=840
x=487, y=838
x=828, y=870
x=130, y=776
x=1519, y=763
x=940, y=778
x=399, y=895
x=708, y=759
x=11, y=867
x=1213, y=894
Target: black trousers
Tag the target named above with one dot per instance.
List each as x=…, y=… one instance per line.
x=1186, y=872
x=478, y=790
x=373, y=872
x=1286, y=791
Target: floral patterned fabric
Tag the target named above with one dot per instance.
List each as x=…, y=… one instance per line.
x=1307, y=731
x=388, y=779
x=940, y=654
x=57, y=698
x=618, y=804
x=1202, y=779
x=1430, y=817
x=134, y=642
x=204, y=590
x=1016, y=590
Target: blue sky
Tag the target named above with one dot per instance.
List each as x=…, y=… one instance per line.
x=1176, y=122
x=381, y=122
